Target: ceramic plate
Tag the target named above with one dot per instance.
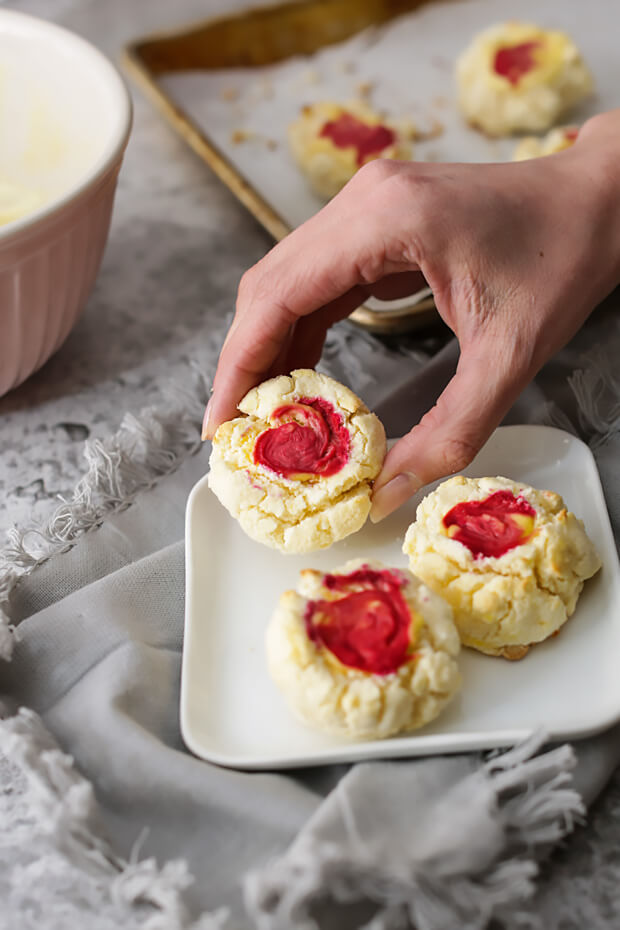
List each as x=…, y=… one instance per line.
x=233, y=715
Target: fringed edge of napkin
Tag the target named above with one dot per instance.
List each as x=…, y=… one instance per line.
x=143, y=450
x=530, y=805
x=52, y=841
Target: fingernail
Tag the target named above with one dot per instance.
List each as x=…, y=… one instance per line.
x=393, y=494
x=205, y=422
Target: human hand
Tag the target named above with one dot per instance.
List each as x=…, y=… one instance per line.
x=517, y=256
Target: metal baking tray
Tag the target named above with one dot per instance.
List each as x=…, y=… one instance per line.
x=251, y=39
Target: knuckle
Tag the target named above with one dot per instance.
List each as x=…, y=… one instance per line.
x=445, y=450
x=455, y=454
x=413, y=201
x=594, y=123
x=375, y=172
x=409, y=184
x=254, y=288
x=423, y=198
x=371, y=266
x=246, y=286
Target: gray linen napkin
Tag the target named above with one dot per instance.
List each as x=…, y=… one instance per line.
x=435, y=843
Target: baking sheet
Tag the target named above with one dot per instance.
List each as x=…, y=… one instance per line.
x=404, y=68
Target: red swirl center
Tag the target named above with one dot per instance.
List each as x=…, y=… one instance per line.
x=349, y=132
x=369, y=626
x=513, y=61
x=310, y=438
x=492, y=526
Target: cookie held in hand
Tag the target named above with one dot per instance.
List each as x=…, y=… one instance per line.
x=363, y=652
x=510, y=559
x=297, y=469
x=331, y=141
x=517, y=77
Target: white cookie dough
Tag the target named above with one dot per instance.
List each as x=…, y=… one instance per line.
x=329, y=166
x=351, y=701
x=503, y=604
x=517, y=77
x=308, y=507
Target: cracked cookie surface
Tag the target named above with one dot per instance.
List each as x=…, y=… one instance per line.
x=365, y=651
x=517, y=77
x=510, y=559
x=296, y=470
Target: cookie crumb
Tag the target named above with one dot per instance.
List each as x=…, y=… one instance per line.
x=365, y=88
x=238, y=136
x=436, y=130
x=229, y=94
x=311, y=76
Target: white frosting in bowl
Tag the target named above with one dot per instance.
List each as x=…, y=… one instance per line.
x=64, y=117
x=17, y=201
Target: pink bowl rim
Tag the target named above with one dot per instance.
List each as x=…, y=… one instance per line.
x=23, y=23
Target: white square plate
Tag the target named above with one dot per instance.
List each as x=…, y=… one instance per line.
x=233, y=715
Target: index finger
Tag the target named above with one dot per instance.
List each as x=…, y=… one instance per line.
x=325, y=263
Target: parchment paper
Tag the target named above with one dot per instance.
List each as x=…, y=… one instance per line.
x=405, y=68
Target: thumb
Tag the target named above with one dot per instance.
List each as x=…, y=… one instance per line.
x=449, y=436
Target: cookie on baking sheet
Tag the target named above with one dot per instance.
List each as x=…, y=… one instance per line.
x=364, y=651
x=517, y=77
x=510, y=559
x=330, y=141
x=558, y=139
x=297, y=469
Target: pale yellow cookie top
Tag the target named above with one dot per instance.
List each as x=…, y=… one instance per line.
x=502, y=98
x=350, y=701
x=329, y=166
x=305, y=511
x=519, y=597
x=553, y=525
x=17, y=201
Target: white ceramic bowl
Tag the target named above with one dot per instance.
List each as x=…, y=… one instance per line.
x=65, y=117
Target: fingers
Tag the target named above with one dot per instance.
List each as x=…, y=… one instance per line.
x=326, y=263
x=450, y=435
x=266, y=347
x=306, y=347
x=308, y=335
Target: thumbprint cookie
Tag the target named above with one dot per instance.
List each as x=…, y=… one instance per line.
x=517, y=77
x=510, y=559
x=296, y=470
x=363, y=652
x=330, y=141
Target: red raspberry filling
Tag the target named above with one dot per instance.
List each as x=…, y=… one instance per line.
x=310, y=438
x=513, y=61
x=349, y=132
x=369, y=626
x=488, y=527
